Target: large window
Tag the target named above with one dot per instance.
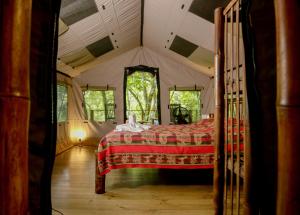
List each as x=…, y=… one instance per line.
x=99, y=104
x=142, y=94
x=187, y=100
x=62, y=103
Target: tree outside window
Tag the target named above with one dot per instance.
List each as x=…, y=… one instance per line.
x=99, y=105
x=62, y=103
x=141, y=96
x=189, y=99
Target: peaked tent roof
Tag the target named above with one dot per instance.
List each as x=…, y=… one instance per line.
x=94, y=31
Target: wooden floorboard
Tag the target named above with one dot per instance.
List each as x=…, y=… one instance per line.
x=128, y=191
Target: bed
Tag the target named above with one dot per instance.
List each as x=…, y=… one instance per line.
x=188, y=146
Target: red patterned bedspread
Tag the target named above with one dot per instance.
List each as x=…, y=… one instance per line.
x=163, y=146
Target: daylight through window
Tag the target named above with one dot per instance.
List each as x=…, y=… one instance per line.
x=141, y=96
x=189, y=101
x=62, y=103
x=99, y=105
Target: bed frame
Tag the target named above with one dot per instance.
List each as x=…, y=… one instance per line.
x=99, y=179
x=200, y=154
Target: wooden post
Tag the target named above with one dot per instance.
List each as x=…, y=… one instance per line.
x=99, y=180
x=287, y=15
x=219, y=112
x=15, y=18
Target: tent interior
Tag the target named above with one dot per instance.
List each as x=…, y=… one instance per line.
x=99, y=39
x=74, y=70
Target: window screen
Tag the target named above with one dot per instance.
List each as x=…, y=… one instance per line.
x=188, y=99
x=141, y=94
x=99, y=105
x=62, y=103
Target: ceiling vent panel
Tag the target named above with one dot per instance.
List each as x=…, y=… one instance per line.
x=205, y=9
x=203, y=57
x=72, y=10
x=182, y=46
x=101, y=47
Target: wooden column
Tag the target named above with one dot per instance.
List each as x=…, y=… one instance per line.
x=99, y=180
x=15, y=18
x=288, y=105
x=219, y=112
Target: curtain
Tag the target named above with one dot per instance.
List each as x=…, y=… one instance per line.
x=42, y=128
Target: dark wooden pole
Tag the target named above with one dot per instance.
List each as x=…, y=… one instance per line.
x=288, y=105
x=99, y=180
x=42, y=127
x=219, y=112
x=15, y=18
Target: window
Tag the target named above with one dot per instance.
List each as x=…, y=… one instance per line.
x=142, y=94
x=188, y=99
x=62, y=103
x=99, y=104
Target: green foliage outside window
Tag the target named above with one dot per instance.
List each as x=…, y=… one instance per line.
x=141, y=96
x=189, y=99
x=62, y=103
x=99, y=105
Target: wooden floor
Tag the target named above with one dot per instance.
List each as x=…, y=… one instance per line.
x=128, y=191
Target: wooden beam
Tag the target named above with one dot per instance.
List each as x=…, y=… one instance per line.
x=287, y=15
x=142, y=22
x=219, y=113
x=15, y=18
x=99, y=179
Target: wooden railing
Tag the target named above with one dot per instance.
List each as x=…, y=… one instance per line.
x=230, y=111
x=288, y=106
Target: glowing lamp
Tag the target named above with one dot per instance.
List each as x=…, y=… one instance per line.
x=79, y=135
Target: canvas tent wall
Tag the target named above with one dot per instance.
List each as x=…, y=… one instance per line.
x=171, y=73
x=76, y=129
x=111, y=74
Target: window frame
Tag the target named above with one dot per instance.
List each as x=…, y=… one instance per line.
x=65, y=85
x=99, y=88
x=194, y=88
x=141, y=68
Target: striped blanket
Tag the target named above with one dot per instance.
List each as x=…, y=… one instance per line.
x=162, y=146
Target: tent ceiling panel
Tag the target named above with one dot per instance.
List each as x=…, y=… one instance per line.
x=62, y=27
x=203, y=57
x=197, y=30
x=72, y=11
x=90, y=29
x=77, y=58
x=205, y=9
x=68, y=43
x=162, y=19
x=107, y=12
x=208, y=70
x=118, y=22
x=100, y=47
x=166, y=22
x=183, y=46
x=112, y=24
x=106, y=57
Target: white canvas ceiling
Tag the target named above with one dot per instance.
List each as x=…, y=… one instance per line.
x=94, y=31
